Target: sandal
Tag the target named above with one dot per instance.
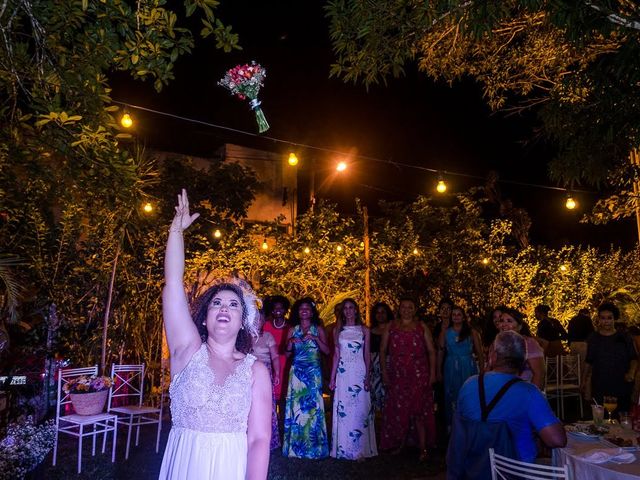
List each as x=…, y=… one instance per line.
x=397, y=451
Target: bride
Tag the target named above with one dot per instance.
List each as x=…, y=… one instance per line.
x=220, y=396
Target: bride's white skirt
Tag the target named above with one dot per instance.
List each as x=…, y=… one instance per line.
x=192, y=455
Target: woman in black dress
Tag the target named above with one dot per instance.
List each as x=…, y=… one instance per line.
x=611, y=359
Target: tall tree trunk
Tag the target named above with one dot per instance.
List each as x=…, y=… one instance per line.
x=367, y=270
x=107, y=311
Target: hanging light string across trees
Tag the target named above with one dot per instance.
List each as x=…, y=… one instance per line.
x=441, y=174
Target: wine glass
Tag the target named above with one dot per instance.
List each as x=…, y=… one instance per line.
x=610, y=404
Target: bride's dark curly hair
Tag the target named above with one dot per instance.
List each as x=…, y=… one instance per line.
x=250, y=313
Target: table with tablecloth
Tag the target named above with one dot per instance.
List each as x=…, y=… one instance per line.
x=571, y=455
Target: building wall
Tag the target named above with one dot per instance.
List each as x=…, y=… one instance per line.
x=274, y=174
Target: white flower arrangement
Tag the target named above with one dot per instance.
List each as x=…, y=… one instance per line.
x=24, y=447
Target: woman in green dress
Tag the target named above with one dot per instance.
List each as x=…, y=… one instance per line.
x=305, y=429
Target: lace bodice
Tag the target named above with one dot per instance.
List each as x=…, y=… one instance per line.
x=199, y=404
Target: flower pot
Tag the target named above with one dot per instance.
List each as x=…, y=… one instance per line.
x=89, y=403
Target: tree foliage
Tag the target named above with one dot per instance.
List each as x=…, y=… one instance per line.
x=425, y=249
x=71, y=182
x=575, y=62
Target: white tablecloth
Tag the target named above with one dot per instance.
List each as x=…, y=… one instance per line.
x=591, y=471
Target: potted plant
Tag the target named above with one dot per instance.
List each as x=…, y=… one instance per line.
x=88, y=393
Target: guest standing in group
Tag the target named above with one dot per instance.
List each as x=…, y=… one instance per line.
x=443, y=315
x=220, y=396
x=550, y=330
x=578, y=331
x=381, y=316
x=533, y=371
x=305, y=429
x=265, y=350
x=490, y=328
x=276, y=308
x=611, y=359
x=353, y=434
x=459, y=342
x=408, y=376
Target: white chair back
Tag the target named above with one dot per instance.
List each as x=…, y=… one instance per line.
x=570, y=371
x=505, y=468
x=128, y=383
x=552, y=372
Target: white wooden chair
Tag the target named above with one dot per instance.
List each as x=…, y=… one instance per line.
x=81, y=426
x=552, y=380
x=505, y=468
x=566, y=383
x=129, y=387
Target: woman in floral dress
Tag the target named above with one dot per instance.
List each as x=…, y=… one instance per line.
x=381, y=315
x=353, y=434
x=408, y=377
x=305, y=429
x=265, y=350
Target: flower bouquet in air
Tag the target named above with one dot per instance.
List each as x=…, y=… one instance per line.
x=245, y=81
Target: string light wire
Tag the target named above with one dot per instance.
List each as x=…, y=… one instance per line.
x=337, y=152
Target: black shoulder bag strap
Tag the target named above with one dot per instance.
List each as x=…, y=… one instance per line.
x=486, y=409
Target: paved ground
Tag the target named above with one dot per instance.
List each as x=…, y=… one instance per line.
x=144, y=464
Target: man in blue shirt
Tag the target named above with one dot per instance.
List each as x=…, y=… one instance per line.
x=523, y=407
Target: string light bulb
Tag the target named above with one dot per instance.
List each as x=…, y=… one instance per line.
x=341, y=167
x=126, y=121
x=485, y=261
x=307, y=250
x=293, y=159
x=571, y=202
x=339, y=248
x=563, y=268
x=441, y=187
x=147, y=207
x=217, y=233
x=415, y=251
x=265, y=245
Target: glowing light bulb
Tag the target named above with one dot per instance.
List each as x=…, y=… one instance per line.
x=570, y=203
x=563, y=268
x=415, y=251
x=307, y=250
x=265, y=245
x=339, y=248
x=217, y=233
x=485, y=261
x=341, y=167
x=441, y=187
x=126, y=121
x=293, y=159
x=148, y=208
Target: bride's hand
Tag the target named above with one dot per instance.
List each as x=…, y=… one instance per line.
x=183, y=219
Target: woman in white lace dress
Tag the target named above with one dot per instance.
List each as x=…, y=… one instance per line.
x=220, y=396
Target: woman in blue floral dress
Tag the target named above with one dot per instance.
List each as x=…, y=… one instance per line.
x=305, y=429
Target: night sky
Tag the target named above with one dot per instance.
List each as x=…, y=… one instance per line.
x=411, y=120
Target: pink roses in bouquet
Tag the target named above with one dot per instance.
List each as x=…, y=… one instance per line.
x=245, y=81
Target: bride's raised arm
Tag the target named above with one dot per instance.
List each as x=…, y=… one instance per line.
x=182, y=334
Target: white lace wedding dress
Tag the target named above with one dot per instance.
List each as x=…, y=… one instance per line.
x=208, y=439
